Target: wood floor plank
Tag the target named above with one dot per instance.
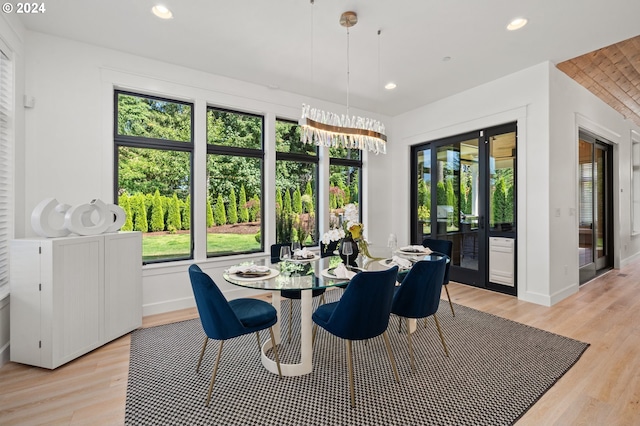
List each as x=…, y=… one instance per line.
x=602, y=388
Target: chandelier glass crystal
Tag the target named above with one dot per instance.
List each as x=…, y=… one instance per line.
x=324, y=128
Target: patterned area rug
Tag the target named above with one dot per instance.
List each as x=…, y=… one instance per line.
x=497, y=369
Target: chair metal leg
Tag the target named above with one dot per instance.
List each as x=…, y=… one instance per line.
x=350, y=370
x=425, y=322
x=259, y=343
x=215, y=371
x=204, y=346
x=446, y=288
x=399, y=324
x=391, y=358
x=410, y=341
x=313, y=334
x=275, y=351
x=290, y=317
x=444, y=345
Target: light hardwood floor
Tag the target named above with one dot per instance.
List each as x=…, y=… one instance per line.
x=603, y=388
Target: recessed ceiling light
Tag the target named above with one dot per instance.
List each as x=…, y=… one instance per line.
x=446, y=59
x=161, y=11
x=516, y=24
x=390, y=86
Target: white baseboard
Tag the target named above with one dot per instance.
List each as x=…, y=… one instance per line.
x=189, y=302
x=630, y=259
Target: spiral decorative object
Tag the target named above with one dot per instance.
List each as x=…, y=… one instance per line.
x=52, y=219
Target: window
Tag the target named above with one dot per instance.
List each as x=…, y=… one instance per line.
x=296, y=186
x=6, y=169
x=345, y=173
x=235, y=164
x=153, y=162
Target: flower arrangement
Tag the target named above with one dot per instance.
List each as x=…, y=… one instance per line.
x=351, y=228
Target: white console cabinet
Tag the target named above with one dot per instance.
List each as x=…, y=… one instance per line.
x=71, y=295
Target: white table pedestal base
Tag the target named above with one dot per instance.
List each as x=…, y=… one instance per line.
x=306, y=348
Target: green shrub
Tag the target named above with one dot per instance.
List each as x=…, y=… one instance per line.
x=186, y=213
x=297, y=201
x=140, y=214
x=125, y=203
x=219, y=214
x=232, y=208
x=173, y=216
x=211, y=219
x=242, y=207
x=157, y=213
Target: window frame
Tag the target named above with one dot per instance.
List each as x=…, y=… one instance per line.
x=303, y=158
x=144, y=142
x=349, y=162
x=213, y=149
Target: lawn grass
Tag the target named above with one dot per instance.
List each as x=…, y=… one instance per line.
x=177, y=245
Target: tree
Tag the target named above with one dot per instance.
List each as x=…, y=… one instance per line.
x=125, y=204
x=254, y=209
x=210, y=219
x=219, y=215
x=140, y=214
x=309, y=191
x=186, y=213
x=297, y=201
x=242, y=207
x=287, y=202
x=173, y=216
x=510, y=205
x=278, y=199
x=499, y=202
x=157, y=213
x=232, y=208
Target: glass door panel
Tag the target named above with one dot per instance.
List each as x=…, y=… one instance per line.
x=585, y=238
x=469, y=204
x=423, y=204
x=447, y=190
x=502, y=185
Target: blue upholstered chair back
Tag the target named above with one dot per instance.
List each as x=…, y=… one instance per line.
x=444, y=247
x=419, y=294
x=218, y=319
x=363, y=311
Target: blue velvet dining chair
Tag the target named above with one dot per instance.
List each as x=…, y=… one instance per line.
x=292, y=294
x=419, y=296
x=444, y=247
x=223, y=320
x=362, y=313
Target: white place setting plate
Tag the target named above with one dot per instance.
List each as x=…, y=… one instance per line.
x=304, y=259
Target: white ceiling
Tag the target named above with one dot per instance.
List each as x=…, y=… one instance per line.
x=298, y=47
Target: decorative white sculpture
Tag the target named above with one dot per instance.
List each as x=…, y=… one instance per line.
x=93, y=218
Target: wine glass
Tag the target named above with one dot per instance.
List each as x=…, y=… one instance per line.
x=392, y=243
x=295, y=246
x=347, y=250
x=285, y=253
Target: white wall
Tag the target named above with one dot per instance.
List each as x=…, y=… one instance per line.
x=69, y=138
x=573, y=107
x=521, y=97
x=548, y=107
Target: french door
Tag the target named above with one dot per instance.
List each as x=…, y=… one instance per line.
x=595, y=241
x=463, y=190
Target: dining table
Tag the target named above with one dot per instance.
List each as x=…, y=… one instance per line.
x=307, y=275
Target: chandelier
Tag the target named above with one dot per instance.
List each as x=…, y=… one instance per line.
x=324, y=128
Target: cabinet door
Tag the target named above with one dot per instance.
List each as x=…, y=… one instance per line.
x=24, y=310
x=123, y=283
x=77, y=292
